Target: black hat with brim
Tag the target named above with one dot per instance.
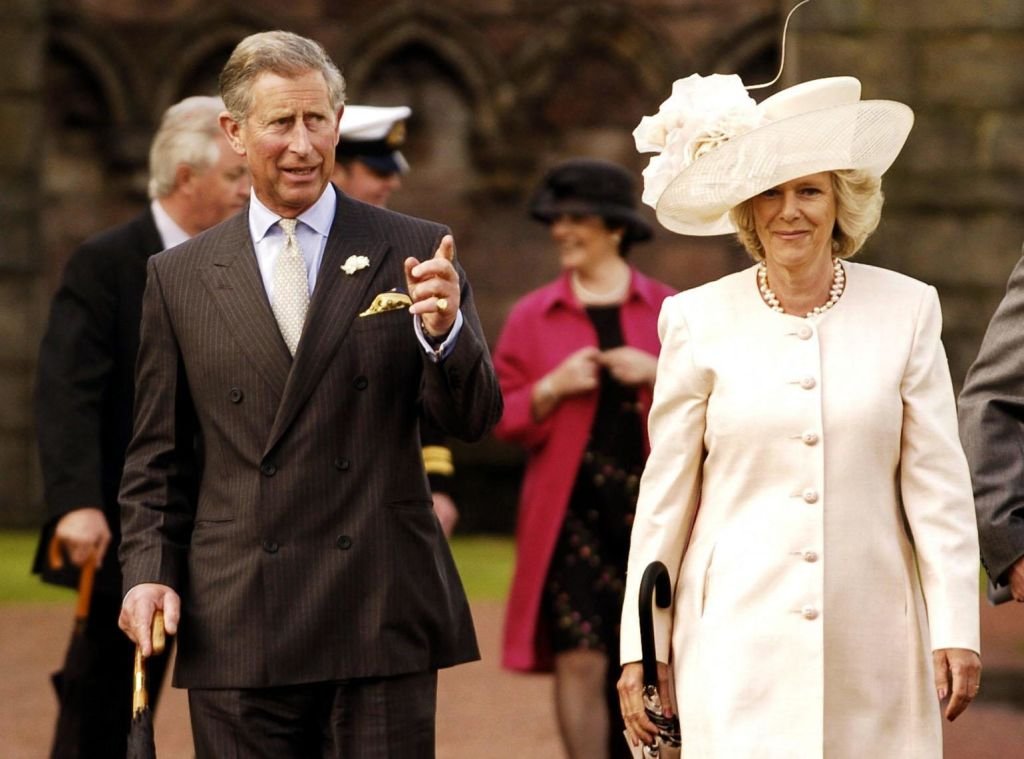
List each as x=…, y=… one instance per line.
x=590, y=186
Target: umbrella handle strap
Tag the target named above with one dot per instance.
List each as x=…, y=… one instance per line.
x=655, y=583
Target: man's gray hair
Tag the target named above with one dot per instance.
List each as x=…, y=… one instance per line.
x=188, y=135
x=281, y=53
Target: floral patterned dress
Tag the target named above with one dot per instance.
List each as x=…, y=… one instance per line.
x=585, y=581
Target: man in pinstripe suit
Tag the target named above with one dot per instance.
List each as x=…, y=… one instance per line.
x=311, y=588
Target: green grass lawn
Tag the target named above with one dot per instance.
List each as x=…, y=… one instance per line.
x=485, y=563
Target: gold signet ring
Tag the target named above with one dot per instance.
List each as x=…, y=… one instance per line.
x=442, y=305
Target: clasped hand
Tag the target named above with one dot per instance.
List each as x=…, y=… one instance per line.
x=580, y=372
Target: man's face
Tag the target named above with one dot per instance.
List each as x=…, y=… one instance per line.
x=218, y=192
x=288, y=140
x=362, y=182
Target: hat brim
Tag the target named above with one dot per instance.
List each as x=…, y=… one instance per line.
x=866, y=135
x=390, y=163
x=549, y=209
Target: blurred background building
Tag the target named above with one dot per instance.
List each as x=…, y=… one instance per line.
x=500, y=90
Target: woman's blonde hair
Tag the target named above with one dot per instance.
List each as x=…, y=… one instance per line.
x=858, y=210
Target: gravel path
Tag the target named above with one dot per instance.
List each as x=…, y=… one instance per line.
x=482, y=710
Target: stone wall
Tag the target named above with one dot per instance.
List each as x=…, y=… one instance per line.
x=501, y=89
x=22, y=31
x=955, y=196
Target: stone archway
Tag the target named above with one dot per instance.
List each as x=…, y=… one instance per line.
x=91, y=158
x=408, y=50
x=585, y=82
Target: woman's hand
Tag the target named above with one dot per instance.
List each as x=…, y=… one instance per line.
x=958, y=676
x=631, y=702
x=578, y=373
x=630, y=366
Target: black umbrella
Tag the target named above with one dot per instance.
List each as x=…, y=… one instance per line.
x=72, y=681
x=140, y=737
x=655, y=582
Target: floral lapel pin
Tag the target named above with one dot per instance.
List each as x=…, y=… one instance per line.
x=354, y=263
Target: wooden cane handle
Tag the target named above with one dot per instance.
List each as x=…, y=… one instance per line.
x=85, y=582
x=159, y=635
x=54, y=556
x=140, y=698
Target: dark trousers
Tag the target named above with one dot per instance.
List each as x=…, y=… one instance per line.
x=96, y=708
x=353, y=719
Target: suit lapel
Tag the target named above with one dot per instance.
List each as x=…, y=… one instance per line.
x=337, y=299
x=150, y=240
x=234, y=282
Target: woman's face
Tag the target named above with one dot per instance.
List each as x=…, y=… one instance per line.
x=794, y=220
x=583, y=240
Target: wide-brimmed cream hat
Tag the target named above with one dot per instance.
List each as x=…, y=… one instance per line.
x=718, y=147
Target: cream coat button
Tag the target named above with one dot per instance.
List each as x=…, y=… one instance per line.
x=810, y=495
x=810, y=556
x=805, y=332
x=810, y=438
x=810, y=612
x=807, y=383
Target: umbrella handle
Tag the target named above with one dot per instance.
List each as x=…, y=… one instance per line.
x=656, y=583
x=55, y=558
x=140, y=696
x=159, y=634
x=85, y=582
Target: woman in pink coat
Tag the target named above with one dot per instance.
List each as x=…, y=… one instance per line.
x=576, y=362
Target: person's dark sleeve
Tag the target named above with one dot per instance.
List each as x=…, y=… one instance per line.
x=76, y=359
x=991, y=412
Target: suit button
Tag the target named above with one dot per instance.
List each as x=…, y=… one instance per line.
x=809, y=612
x=805, y=332
x=810, y=495
x=235, y=395
x=270, y=546
x=344, y=542
x=808, y=383
x=360, y=383
x=268, y=469
x=810, y=438
x=810, y=556
x=341, y=464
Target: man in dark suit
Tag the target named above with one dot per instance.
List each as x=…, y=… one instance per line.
x=991, y=410
x=368, y=166
x=83, y=402
x=311, y=588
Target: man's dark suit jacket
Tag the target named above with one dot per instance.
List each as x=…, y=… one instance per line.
x=86, y=382
x=313, y=553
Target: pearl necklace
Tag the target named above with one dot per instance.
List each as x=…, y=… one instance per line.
x=834, y=293
x=598, y=299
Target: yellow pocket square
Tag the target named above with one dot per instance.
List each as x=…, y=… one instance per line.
x=389, y=301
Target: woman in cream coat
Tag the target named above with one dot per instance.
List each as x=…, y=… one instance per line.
x=806, y=487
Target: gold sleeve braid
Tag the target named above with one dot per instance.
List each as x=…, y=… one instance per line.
x=437, y=459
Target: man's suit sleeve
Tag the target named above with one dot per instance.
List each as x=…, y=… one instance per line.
x=159, y=486
x=76, y=359
x=991, y=411
x=461, y=394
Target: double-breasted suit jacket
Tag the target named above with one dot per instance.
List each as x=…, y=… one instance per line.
x=313, y=553
x=807, y=490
